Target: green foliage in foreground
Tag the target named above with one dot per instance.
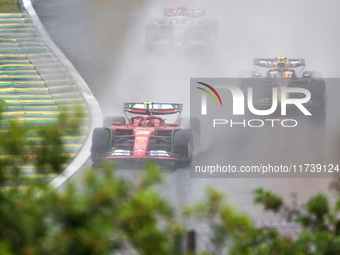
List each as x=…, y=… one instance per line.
x=9, y=6
x=40, y=146
x=108, y=214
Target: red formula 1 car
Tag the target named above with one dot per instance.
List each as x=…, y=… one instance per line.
x=146, y=135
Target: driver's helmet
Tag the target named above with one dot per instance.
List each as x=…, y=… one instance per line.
x=149, y=123
x=286, y=74
x=135, y=121
x=274, y=74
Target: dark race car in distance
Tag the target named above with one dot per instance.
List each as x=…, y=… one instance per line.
x=181, y=28
x=282, y=73
x=146, y=135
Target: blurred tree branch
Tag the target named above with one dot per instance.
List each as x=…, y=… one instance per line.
x=108, y=214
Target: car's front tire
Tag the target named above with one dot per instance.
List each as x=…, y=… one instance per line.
x=101, y=144
x=183, y=146
x=194, y=125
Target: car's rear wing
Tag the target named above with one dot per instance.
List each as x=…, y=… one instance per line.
x=184, y=12
x=279, y=62
x=149, y=108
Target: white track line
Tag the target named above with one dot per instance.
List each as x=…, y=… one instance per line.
x=95, y=114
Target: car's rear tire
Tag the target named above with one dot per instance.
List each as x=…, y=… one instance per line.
x=318, y=94
x=151, y=29
x=101, y=144
x=183, y=146
x=245, y=84
x=109, y=119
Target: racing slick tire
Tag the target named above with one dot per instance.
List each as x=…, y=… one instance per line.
x=151, y=29
x=193, y=124
x=318, y=94
x=183, y=145
x=101, y=144
x=245, y=84
x=109, y=119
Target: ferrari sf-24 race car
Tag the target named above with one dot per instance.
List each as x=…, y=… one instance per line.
x=146, y=135
x=281, y=74
x=181, y=28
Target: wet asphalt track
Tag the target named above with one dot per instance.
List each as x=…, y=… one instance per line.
x=104, y=41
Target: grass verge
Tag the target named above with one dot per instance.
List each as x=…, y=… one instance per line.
x=9, y=6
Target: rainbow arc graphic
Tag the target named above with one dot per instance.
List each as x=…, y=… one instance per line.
x=209, y=93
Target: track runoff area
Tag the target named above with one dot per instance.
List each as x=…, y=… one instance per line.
x=34, y=87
